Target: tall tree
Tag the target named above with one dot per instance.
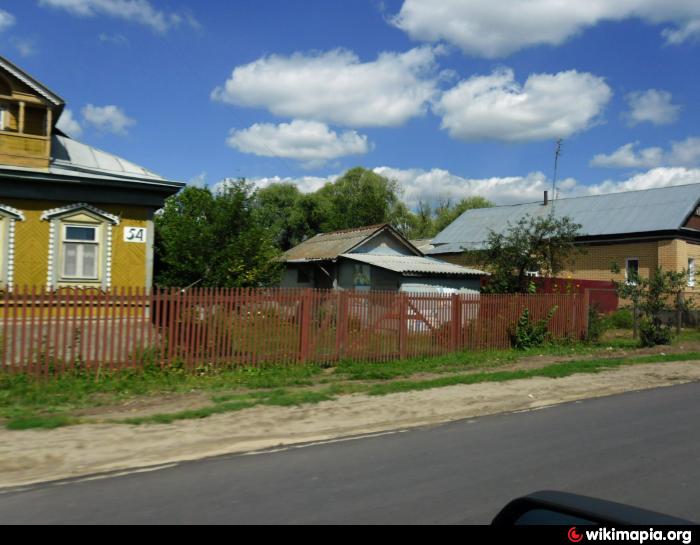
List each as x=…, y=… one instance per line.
x=214, y=240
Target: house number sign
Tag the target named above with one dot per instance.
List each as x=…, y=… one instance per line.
x=135, y=234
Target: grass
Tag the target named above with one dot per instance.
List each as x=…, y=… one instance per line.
x=27, y=403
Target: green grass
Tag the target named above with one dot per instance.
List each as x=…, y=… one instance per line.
x=28, y=403
x=232, y=403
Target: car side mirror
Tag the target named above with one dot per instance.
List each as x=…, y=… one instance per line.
x=560, y=508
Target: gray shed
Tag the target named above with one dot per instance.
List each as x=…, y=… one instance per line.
x=376, y=258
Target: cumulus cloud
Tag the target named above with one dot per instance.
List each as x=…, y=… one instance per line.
x=311, y=142
x=336, y=87
x=496, y=29
x=108, y=119
x=6, y=20
x=431, y=185
x=652, y=106
x=136, y=11
x=439, y=184
x=546, y=106
x=305, y=184
x=685, y=153
x=69, y=125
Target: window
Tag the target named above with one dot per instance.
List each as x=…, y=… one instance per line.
x=691, y=272
x=303, y=276
x=361, y=277
x=632, y=271
x=4, y=113
x=80, y=252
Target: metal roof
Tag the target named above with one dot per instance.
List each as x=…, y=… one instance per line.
x=327, y=246
x=650, y=210
x=410, y=264
x=70, y=155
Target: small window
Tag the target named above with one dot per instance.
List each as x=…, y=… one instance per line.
x=80, y=252
x=4, y=114
x=691, y=272
x=361, y=277
x=303, y=276
x=632, y=272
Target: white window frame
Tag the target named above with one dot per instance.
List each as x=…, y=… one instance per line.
x=80, y=276
x=627, y=269
x=3, y=116
x=692, y=271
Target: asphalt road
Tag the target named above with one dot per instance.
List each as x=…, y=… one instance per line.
x=640, y=448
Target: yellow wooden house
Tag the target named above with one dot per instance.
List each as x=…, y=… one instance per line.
x=70, y=215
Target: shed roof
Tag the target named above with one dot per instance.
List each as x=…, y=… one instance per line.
x=644, y=211
x=414, y=265
x=328, y=246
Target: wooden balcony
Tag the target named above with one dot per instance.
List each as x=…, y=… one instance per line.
x=24, y=150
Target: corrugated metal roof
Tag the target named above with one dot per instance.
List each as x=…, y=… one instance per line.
x=68, y=156
x=410, y=264
x=650, y=210
x=331, y=245
x=423, y=244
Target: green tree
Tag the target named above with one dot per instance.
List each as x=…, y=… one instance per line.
x=358, y=198
x=543, y=244
x=214, y=240
x=287, y=213
x=653, y=296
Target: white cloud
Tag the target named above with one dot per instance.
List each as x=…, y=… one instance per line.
x=546, y=106
x=685, y=153
x=114, y=39
x=108, y=119
x=308, y=141
x=653, y=106
x=431, y=185
x=25, y=47
x=6, y=20
x=438, y=184
x=496, y=29
x=200, y=180
x=69, y=125
x=336, y=87
x=306, y=184
x=136, y=11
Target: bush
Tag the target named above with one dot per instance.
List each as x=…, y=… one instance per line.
x=621, y=319
x=651, y=334
x=527, y=334
x=597, y=325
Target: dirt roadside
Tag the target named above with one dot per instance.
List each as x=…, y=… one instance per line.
x=28, y=457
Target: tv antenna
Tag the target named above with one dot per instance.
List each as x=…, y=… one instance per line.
x=557, y=156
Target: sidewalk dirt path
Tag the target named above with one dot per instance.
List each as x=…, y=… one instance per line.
x=36, y=456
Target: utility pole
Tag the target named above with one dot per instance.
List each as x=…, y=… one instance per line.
x=557, y=155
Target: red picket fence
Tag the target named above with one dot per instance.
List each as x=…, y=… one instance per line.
x=47, y=333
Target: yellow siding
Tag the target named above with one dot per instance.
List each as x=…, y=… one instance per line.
x=32, y=244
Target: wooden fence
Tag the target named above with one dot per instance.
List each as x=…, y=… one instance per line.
x=47, y=333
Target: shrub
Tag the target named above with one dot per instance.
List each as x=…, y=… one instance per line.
x=528, y=334
x=621, y=319
x=651, y=334
x=597, y=325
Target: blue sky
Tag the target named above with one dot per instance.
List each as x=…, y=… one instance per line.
x=462, y=99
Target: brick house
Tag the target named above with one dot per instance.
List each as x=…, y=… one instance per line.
x=636, y=230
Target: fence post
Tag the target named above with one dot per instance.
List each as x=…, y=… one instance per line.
x=679, y=312
x=635, y=320
x=586, y=312
x=305, y=333
x=341, y=325
x=456, y=322
x=403, y=324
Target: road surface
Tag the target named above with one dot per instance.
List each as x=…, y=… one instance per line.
x=640, y=448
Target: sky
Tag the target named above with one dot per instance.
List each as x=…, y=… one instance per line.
x=452, y=99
